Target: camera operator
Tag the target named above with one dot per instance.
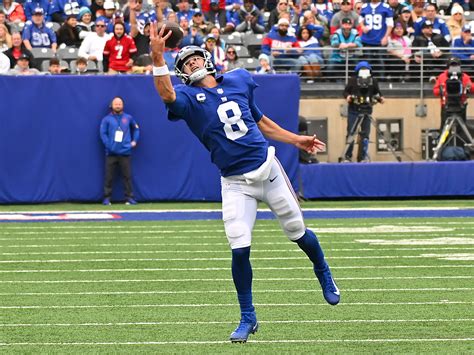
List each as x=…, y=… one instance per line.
x=452, y=86
x=361, y=92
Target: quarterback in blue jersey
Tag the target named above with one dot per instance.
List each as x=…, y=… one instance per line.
x=222, y=113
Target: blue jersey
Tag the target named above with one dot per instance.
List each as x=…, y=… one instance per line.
x=376, y=19
x=31, y=5
x=39, y=36
x=67, y=7
x=224, y=119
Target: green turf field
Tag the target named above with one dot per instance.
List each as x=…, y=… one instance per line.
x=407, y=286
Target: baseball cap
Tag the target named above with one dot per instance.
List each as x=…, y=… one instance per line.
x=211, y=37
x=23, y=56
x=264, y=57
x=427, y=23
x=345, y=2
x=197, y=13
x=405, y=10
x=283, y=21
x=346, y=20
x=466, y=28
x=38, y=11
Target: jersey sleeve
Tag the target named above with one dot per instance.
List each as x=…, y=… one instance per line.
x=178, y=109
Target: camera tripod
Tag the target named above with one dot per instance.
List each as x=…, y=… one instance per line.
x=449, y=133
x=355, y=131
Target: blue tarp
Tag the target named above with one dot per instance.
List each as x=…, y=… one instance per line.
x=387, y=179
x=51, y=150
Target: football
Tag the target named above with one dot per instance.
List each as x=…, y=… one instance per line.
x=176, y=36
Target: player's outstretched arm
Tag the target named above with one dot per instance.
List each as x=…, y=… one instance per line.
x=161, y=75
x=273, y=131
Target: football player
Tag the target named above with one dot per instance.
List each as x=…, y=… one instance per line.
x=222, y=113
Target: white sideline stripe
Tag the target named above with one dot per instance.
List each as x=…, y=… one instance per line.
x=226, y=268
x=289, y=341
x=182, y=226
x=189, y=292
x=435, y=241
x=222, y=236
x=440, y=248
x=259, y=209
x=384, y=229
x=230, y=280
x=425, y=256
x=311, y=321
x=233, y=305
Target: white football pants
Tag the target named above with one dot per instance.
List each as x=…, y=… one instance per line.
x=239, y=205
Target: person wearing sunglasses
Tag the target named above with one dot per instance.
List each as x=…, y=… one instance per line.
x=232, y=60
x=92, y=47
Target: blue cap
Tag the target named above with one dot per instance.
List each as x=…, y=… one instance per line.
x=361, y=65
x=38, y=11
x=466, y=28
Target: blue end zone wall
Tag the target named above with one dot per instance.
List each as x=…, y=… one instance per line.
x=51, y=150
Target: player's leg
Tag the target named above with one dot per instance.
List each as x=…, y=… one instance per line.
x=281, y=199
x=239, y=211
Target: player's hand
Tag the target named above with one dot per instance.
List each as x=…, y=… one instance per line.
x=349, y=98
x=381, y=99
x=130, y=63
x=310, y=144
x=133, y=144
x=157, y=43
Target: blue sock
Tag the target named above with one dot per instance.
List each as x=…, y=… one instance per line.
x=310, y=245
x=242, y=275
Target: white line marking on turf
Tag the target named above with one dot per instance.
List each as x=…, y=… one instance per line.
x=230, y=280
x=189, y=292
x=311, y=321
x=227, y=251
x=462, y=257
x=227, y=269
x=215, y=342
x=432, y=241
x=341, y=230
x=233, y=305
x=284, y=258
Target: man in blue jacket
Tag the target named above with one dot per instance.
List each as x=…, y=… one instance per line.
x=119, y=133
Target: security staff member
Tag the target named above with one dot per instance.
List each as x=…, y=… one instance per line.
x=119, y=133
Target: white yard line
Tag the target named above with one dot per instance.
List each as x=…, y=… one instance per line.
x=458, y=277
x=311, y=321
x=227, y=269
x=233, y=305
x=282, y=258
x=212, y=342
x=191, y=292
x=374, y=249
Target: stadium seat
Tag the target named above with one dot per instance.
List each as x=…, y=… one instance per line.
x=62, y=63
x=232, y=39
x=53, y=25
x=42, y=53
x=242, y=51
x=68, y=54
x=91, y=67
x=250, y=63
x=253, y=42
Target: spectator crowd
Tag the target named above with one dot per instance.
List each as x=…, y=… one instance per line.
x=311, y=37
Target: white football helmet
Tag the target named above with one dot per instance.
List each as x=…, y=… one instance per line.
x=181, y=58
